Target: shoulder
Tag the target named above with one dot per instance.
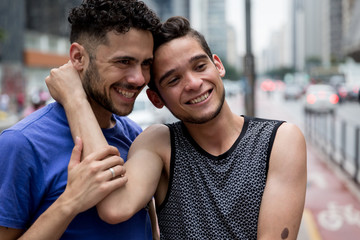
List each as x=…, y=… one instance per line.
x=45, y=117
x=290, y=134
x=155, y=138
x=131, y=127
x=289, y=150
x=157, y=133
x=262, y=122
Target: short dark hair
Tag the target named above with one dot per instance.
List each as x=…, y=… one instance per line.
x=173, y=28
x=94, y=18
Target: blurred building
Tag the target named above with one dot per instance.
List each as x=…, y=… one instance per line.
x=34, y=38
x=169, y=8
x=351, y=32
x=313, y=37
x=209, y=18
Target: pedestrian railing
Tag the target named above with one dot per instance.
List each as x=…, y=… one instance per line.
x=338, y=138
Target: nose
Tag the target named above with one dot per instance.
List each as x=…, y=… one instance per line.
x=138, y=77
x=193, y=82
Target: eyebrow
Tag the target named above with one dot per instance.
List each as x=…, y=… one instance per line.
x=192, y=59
x=117, y=58
x=131, y=58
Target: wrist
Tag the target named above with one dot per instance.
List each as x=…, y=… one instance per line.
x=76, y=103
x=67, y=207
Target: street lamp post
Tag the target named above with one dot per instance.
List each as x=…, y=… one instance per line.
x=249, y=65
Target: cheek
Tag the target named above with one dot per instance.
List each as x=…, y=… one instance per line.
x=146, y=74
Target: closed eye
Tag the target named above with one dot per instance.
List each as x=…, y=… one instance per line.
x=124, y=61
x=200, y=67
x=173, y=81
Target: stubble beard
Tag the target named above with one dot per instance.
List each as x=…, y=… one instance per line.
x=92, y=88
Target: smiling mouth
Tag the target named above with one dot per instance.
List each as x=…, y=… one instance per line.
x=199, y=99
x=125, y=93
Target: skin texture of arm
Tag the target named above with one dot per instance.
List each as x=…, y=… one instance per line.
x=144, y=165
x=143, y=169
x=88, y=183
x=76, y=105
x=284, y=196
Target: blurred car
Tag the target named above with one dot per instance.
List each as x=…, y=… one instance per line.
x=293, y=91
x=342, y=92
x=268, y=86
x=353, y=92
x=232, y=88
x=320, y=98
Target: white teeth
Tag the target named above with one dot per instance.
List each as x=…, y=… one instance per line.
x=126, y=94
x=200, y=99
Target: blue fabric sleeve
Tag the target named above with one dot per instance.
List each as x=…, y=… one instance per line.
x=19, y=175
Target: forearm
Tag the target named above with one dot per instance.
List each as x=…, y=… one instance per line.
x=53, y=222
x=83, y=123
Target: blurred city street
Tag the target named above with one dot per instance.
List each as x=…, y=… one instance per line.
x=332, y=206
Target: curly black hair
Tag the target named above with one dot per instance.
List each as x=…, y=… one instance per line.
x=173, y=28
x=94, y=18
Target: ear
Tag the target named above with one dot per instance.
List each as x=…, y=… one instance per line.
x=219, y=65
x=154, y=98
x=78, y=56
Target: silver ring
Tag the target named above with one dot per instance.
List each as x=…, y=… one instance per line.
x=112, y=172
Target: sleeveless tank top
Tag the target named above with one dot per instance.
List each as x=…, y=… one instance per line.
x=216, y=197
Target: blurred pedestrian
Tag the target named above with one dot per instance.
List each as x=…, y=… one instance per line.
x=4, y=102
x=20, y=102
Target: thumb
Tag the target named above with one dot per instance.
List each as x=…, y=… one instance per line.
x=76, y=153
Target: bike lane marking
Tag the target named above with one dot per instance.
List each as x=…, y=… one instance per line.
x=311, y=226
x=336, y=215
x=335, y=210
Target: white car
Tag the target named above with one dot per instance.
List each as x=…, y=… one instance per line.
x=320, y=98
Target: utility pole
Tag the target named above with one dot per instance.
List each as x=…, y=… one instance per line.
x=249, y=65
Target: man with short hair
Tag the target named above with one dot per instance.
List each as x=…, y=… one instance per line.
x=214, y=174
x=112, y=51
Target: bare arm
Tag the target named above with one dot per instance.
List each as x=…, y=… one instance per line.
x=70, y=93
x=143, y=169
x=284, y=196
x=144, y=165
x=89, y=182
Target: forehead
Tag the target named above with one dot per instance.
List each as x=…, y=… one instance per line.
x=175, y=54
x=177, y=47
x=133, y=42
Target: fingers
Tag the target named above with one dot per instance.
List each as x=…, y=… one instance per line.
x=116, y=183
x=76, y=153
x=114, y=172
x=107, y=161
x=103, y=153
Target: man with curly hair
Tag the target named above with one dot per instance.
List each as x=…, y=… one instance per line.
x=112, y=51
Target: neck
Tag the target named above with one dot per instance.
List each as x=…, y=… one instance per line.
x=103, y=116
x=219, y=134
